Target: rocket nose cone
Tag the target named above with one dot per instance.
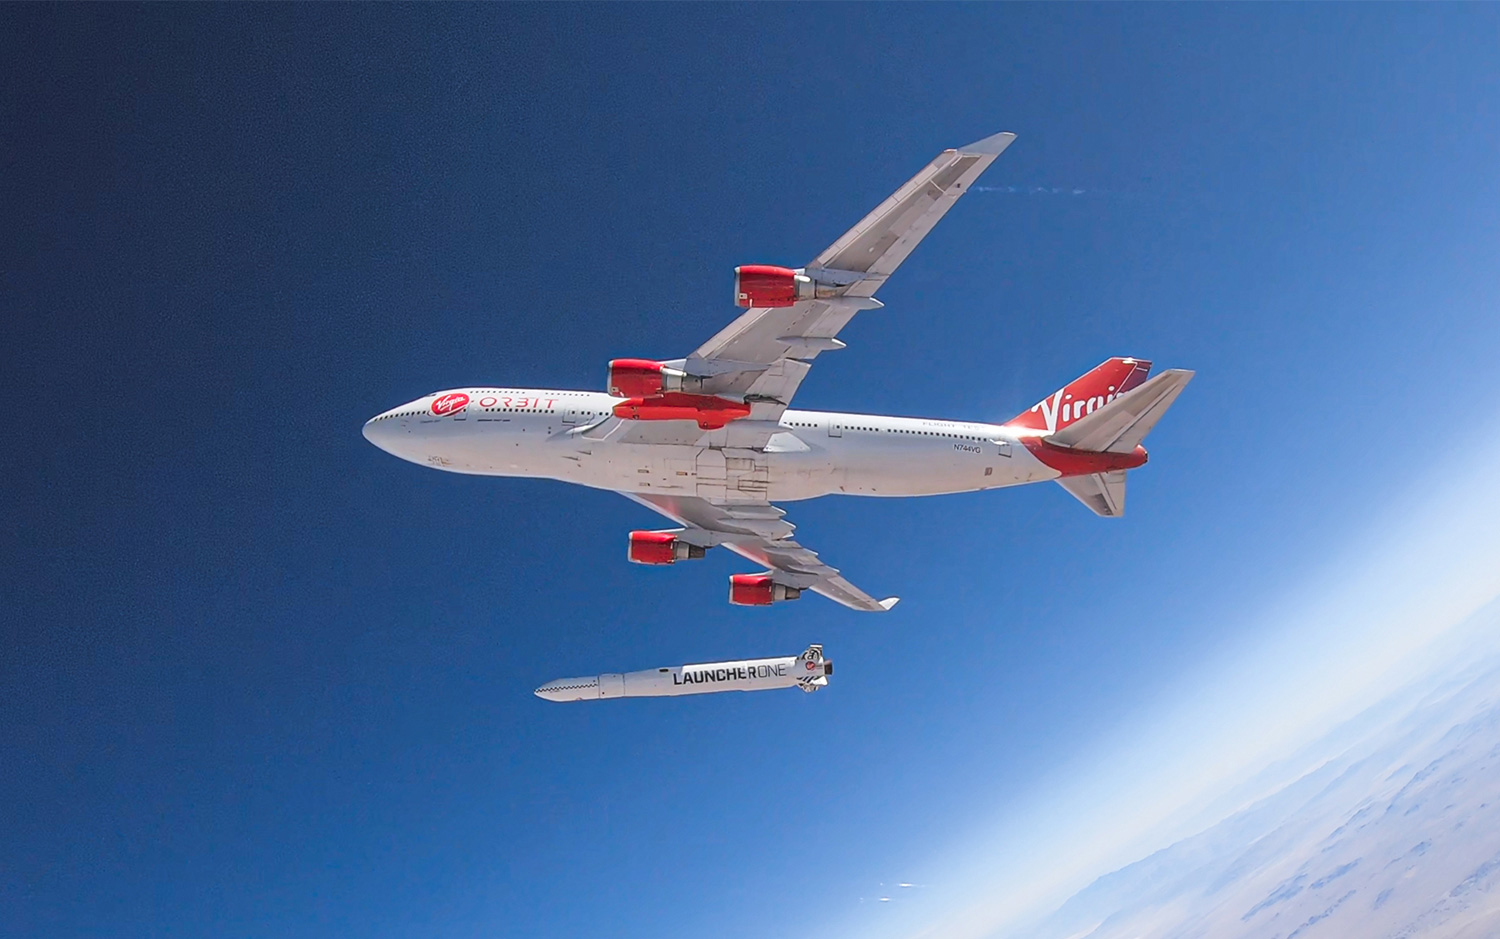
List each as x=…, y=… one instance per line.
x=550, y=692
x=569, y=689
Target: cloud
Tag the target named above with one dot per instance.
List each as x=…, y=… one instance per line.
x=1400, y=812
x=1041, y=190
x=1365, y=622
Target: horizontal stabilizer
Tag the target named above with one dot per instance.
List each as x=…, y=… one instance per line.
x=1103, y=493
x=1120, y=425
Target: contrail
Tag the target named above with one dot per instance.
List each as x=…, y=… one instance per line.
x=1039, y=190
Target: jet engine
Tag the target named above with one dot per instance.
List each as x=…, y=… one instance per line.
x=759, y=590
x=766, y=285
x=642, y=378
x=661, y=547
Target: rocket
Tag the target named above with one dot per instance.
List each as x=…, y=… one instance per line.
x=808, y=671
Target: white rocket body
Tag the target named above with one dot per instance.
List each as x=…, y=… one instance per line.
x=808, y=671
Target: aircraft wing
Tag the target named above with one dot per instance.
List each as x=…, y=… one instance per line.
x=766, y=352
x=759, y=531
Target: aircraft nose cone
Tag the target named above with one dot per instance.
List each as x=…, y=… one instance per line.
x=375, y=432
x=385, y=431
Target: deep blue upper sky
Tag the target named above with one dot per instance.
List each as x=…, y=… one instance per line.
x=263, y=679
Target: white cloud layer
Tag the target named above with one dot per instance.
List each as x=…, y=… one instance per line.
x=1394, y=835
x=1391, y=610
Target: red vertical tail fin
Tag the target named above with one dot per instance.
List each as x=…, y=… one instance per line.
x=1083, y=395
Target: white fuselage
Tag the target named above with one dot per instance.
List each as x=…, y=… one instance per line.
x=561, y=435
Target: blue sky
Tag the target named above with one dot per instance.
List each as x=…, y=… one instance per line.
x=264, y=679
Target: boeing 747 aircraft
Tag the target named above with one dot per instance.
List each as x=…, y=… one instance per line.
x=710, y=442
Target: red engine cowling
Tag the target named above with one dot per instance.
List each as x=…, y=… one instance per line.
x=634, y=378
x=759, y=590
x=661, y=547
x=641, y=378
x=767, y=285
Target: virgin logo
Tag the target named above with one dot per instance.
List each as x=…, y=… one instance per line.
x=447, y=404
x=1071, y=410
x=811, y=666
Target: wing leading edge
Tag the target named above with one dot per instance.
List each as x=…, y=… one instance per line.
x=759, y=532
x=766, y=352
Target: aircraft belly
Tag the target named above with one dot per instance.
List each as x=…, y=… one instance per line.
x=669, y=469
x=803, y=475
x=797, y=469
x=879, y=468
x=719, y=474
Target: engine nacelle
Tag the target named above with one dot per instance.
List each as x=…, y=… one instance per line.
x=641, y=378
x=759, y=590
x=766, y=285
x=661, y=547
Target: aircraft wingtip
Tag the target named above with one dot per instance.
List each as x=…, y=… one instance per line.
x=889, y=602
x=995, y=143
